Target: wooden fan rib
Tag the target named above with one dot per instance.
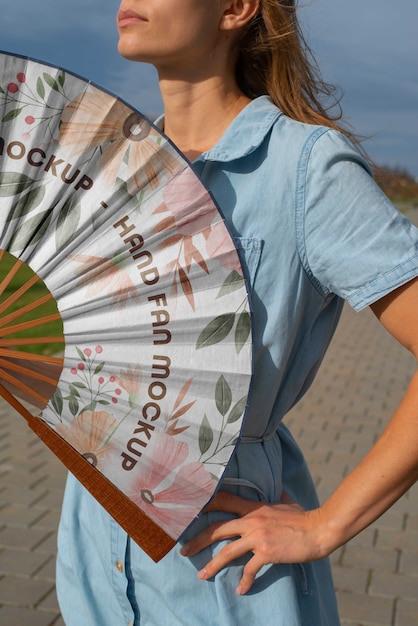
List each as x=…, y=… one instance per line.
x=27, y=341
x=150, y=537
x=11, y=274
x=25, y=309
x=26, y=371
x=29, y=356
x=18, y=384
x=17, y=328
x=18, y=293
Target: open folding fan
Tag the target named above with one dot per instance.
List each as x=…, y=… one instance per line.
x=124, y=313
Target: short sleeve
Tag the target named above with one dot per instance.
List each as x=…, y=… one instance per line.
x=352, y=241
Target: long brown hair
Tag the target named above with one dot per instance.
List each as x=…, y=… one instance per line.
x=274, y=59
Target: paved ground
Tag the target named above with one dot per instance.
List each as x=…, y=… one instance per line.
x=360, y=383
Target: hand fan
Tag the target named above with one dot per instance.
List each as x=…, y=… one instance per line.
x=124, y=311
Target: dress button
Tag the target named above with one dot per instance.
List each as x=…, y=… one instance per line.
x=119, y=566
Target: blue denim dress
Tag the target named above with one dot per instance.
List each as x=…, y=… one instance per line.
x=312, y=230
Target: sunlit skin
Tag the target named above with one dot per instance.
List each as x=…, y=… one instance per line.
x=192, y=43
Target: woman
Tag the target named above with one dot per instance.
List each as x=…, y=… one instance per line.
x=312, y=230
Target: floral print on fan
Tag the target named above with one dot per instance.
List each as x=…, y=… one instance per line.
x=172, y=497
x=191, y=212
x=95, y=118
x=103, y=276
x=88, y=434
x=31, y=102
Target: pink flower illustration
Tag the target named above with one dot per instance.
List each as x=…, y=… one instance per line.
x=87, y=433
x=104, y=276
x=219, y=245
x=95, y=118
x=130, y=380
x=189, y=203
x=171, y=498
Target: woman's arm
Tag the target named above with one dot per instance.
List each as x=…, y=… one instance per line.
x=285, y=532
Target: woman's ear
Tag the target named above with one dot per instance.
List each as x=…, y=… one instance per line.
x=238, y=13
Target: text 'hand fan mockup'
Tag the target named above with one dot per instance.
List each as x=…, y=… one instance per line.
x=124, y=312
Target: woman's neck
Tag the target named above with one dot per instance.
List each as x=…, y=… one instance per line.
x=197, y=114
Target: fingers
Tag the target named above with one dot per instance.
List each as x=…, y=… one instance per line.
x=213, y=533
x=231, y=552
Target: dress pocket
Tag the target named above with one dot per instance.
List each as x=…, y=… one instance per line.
x=249, y=251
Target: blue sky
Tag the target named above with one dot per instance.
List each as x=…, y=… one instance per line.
x=367, y=47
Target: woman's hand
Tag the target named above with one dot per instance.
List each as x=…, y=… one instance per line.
x=285, y=533
x=274, y=533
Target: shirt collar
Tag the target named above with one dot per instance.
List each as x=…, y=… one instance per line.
x=246, y=132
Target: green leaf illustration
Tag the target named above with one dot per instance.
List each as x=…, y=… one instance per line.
x=216, y=330
x=11, y=115
x=99, y=368
x=61, y=79
x=2, y=90
x=40, y=88
x=73, y=405
x=79, y=385
x=242, y=331
x=31, y=231
x=237, y=410
x=232, y=282
x=28, y=202
x=90, y=407
x=80, y=354
x=51, y=82
x=74, y=391
x=58, y=401
x=12, y=183
x=223, y=396
x=205, y=436
x=67, y=223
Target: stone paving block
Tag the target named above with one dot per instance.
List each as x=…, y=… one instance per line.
x=411, y=523
x=49, y=603
x=392, y=520
x=366, y=610
x=406, y=613
x=393, y=585
x=408, y=564
x=350, y=579
x=399, y=540
x=18, y=616
x=22, y=538
x=47, y=520
x=27, y=592
x=367, y=538
x=47, y=570
x=48, y=543
x=24, y=495
x=18, y=515
x=21, y=562
x=362, y=557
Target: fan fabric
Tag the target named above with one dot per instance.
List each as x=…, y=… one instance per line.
x=150, y=389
